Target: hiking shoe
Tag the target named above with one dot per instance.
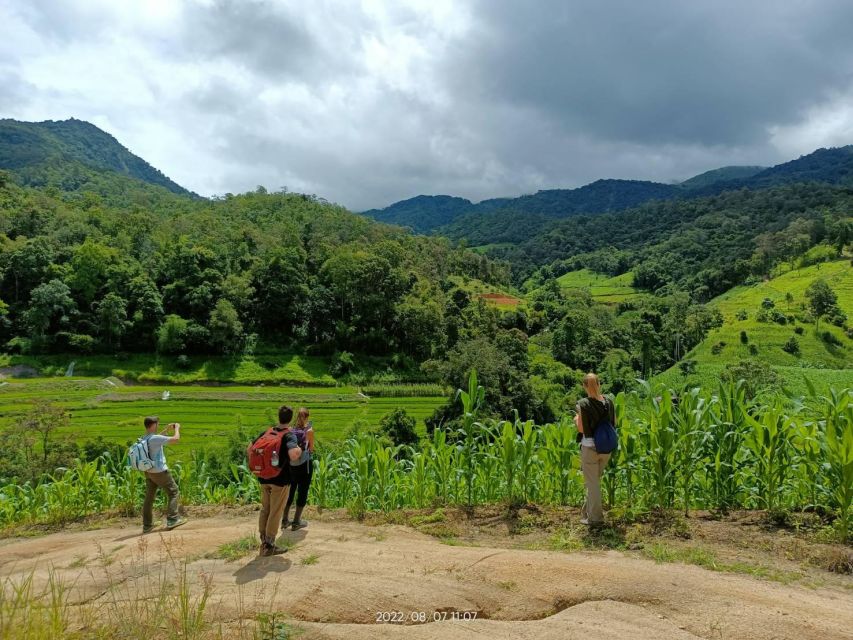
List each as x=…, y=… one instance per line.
x=147, y=529
x=273, y=550
x=174, y=524
x=298, y=524
x=285, y=524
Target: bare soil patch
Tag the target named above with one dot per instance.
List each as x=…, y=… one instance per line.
x=488, y=573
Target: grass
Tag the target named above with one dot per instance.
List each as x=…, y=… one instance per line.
x=310, y=559
x=237, y=549
x=602, y=288
x=98, y=408
x=769, y=337
x=663, y=553
x=269, y=368
x=823, y=364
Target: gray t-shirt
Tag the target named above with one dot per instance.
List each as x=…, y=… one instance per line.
x=156, y=443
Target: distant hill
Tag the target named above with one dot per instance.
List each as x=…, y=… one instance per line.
x=34, y=151
x=493, y=221
x=426, y=214
x=422, y=213
x=722, y=174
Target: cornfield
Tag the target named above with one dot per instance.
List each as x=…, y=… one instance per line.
x=700, y=450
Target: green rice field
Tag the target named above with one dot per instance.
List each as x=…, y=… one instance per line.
x=105, y=407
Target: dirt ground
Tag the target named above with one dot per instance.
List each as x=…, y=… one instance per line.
x=341, y=579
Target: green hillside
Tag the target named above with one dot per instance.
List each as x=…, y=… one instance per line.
x=822, y=362
x=602, y=288
x=38, y=151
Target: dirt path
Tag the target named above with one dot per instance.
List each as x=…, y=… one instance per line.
x=340, y=575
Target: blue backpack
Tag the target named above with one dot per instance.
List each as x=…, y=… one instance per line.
x=605, y=436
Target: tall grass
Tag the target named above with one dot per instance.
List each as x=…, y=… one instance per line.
x=699, y=450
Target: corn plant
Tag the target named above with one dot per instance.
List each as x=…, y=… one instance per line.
x=769, y=443
x=469, y=432
x=838, y=452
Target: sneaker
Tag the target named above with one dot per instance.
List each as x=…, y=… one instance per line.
x=285, y=524
x=147, y=529
x=584, y=521
x=296, y=525
x=174, y=524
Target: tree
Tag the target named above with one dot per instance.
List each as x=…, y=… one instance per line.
x=399, y=426
x=226, y=330
x=90, y=269
x=280, y=281
x=50, y=307
x=821, y=299
x=112, y=314
x=172, y=335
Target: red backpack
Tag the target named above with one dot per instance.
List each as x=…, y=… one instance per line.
x=265, y=454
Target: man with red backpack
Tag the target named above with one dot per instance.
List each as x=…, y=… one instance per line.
x=269, y=459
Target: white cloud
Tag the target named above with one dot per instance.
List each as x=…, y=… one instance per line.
x=365, y=103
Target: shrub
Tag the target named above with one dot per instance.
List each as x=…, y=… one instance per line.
x=778, y=317
x=753, y=350
x=830, y=338
x=687, y=367
x=81, y=343
x=183, y=362
x=717, y=349
x=757, y=376
x=767, y=303
x=744, y=339
x=399, y=426
x=799, y=331
x=742, y=315
x=342, y=364
x=837, y=317
x=792, y=346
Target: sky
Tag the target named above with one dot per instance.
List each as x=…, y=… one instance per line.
x=366, y=103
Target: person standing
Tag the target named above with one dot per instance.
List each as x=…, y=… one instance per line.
x=300, y=471
x=591, y=411
x=274, y=491
x=159, y=476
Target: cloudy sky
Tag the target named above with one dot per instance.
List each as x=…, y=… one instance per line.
x=367, y=103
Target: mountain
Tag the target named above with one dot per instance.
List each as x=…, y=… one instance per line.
x=477, y=224
x=723, y=174
x=422, y=213
x=37, y=151
x=425, y=214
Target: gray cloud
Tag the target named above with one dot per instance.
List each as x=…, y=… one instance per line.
x=365, y=104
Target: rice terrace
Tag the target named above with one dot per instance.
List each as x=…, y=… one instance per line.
x=426, y=320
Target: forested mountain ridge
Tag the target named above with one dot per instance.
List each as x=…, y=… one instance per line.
x=722, y=174
x=703, y=246
x=38, y=153
x=484, y=223
x=422, y=213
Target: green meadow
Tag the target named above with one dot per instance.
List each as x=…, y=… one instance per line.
x=823, y=363
x=602, y=288
x=106, y=408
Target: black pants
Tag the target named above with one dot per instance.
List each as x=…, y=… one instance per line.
x=300, y=482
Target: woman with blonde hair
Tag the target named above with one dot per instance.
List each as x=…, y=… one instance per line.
x=593, y=410
x=300, y=471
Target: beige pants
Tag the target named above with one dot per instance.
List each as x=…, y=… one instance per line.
x=273, y=499
x=592, y=464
